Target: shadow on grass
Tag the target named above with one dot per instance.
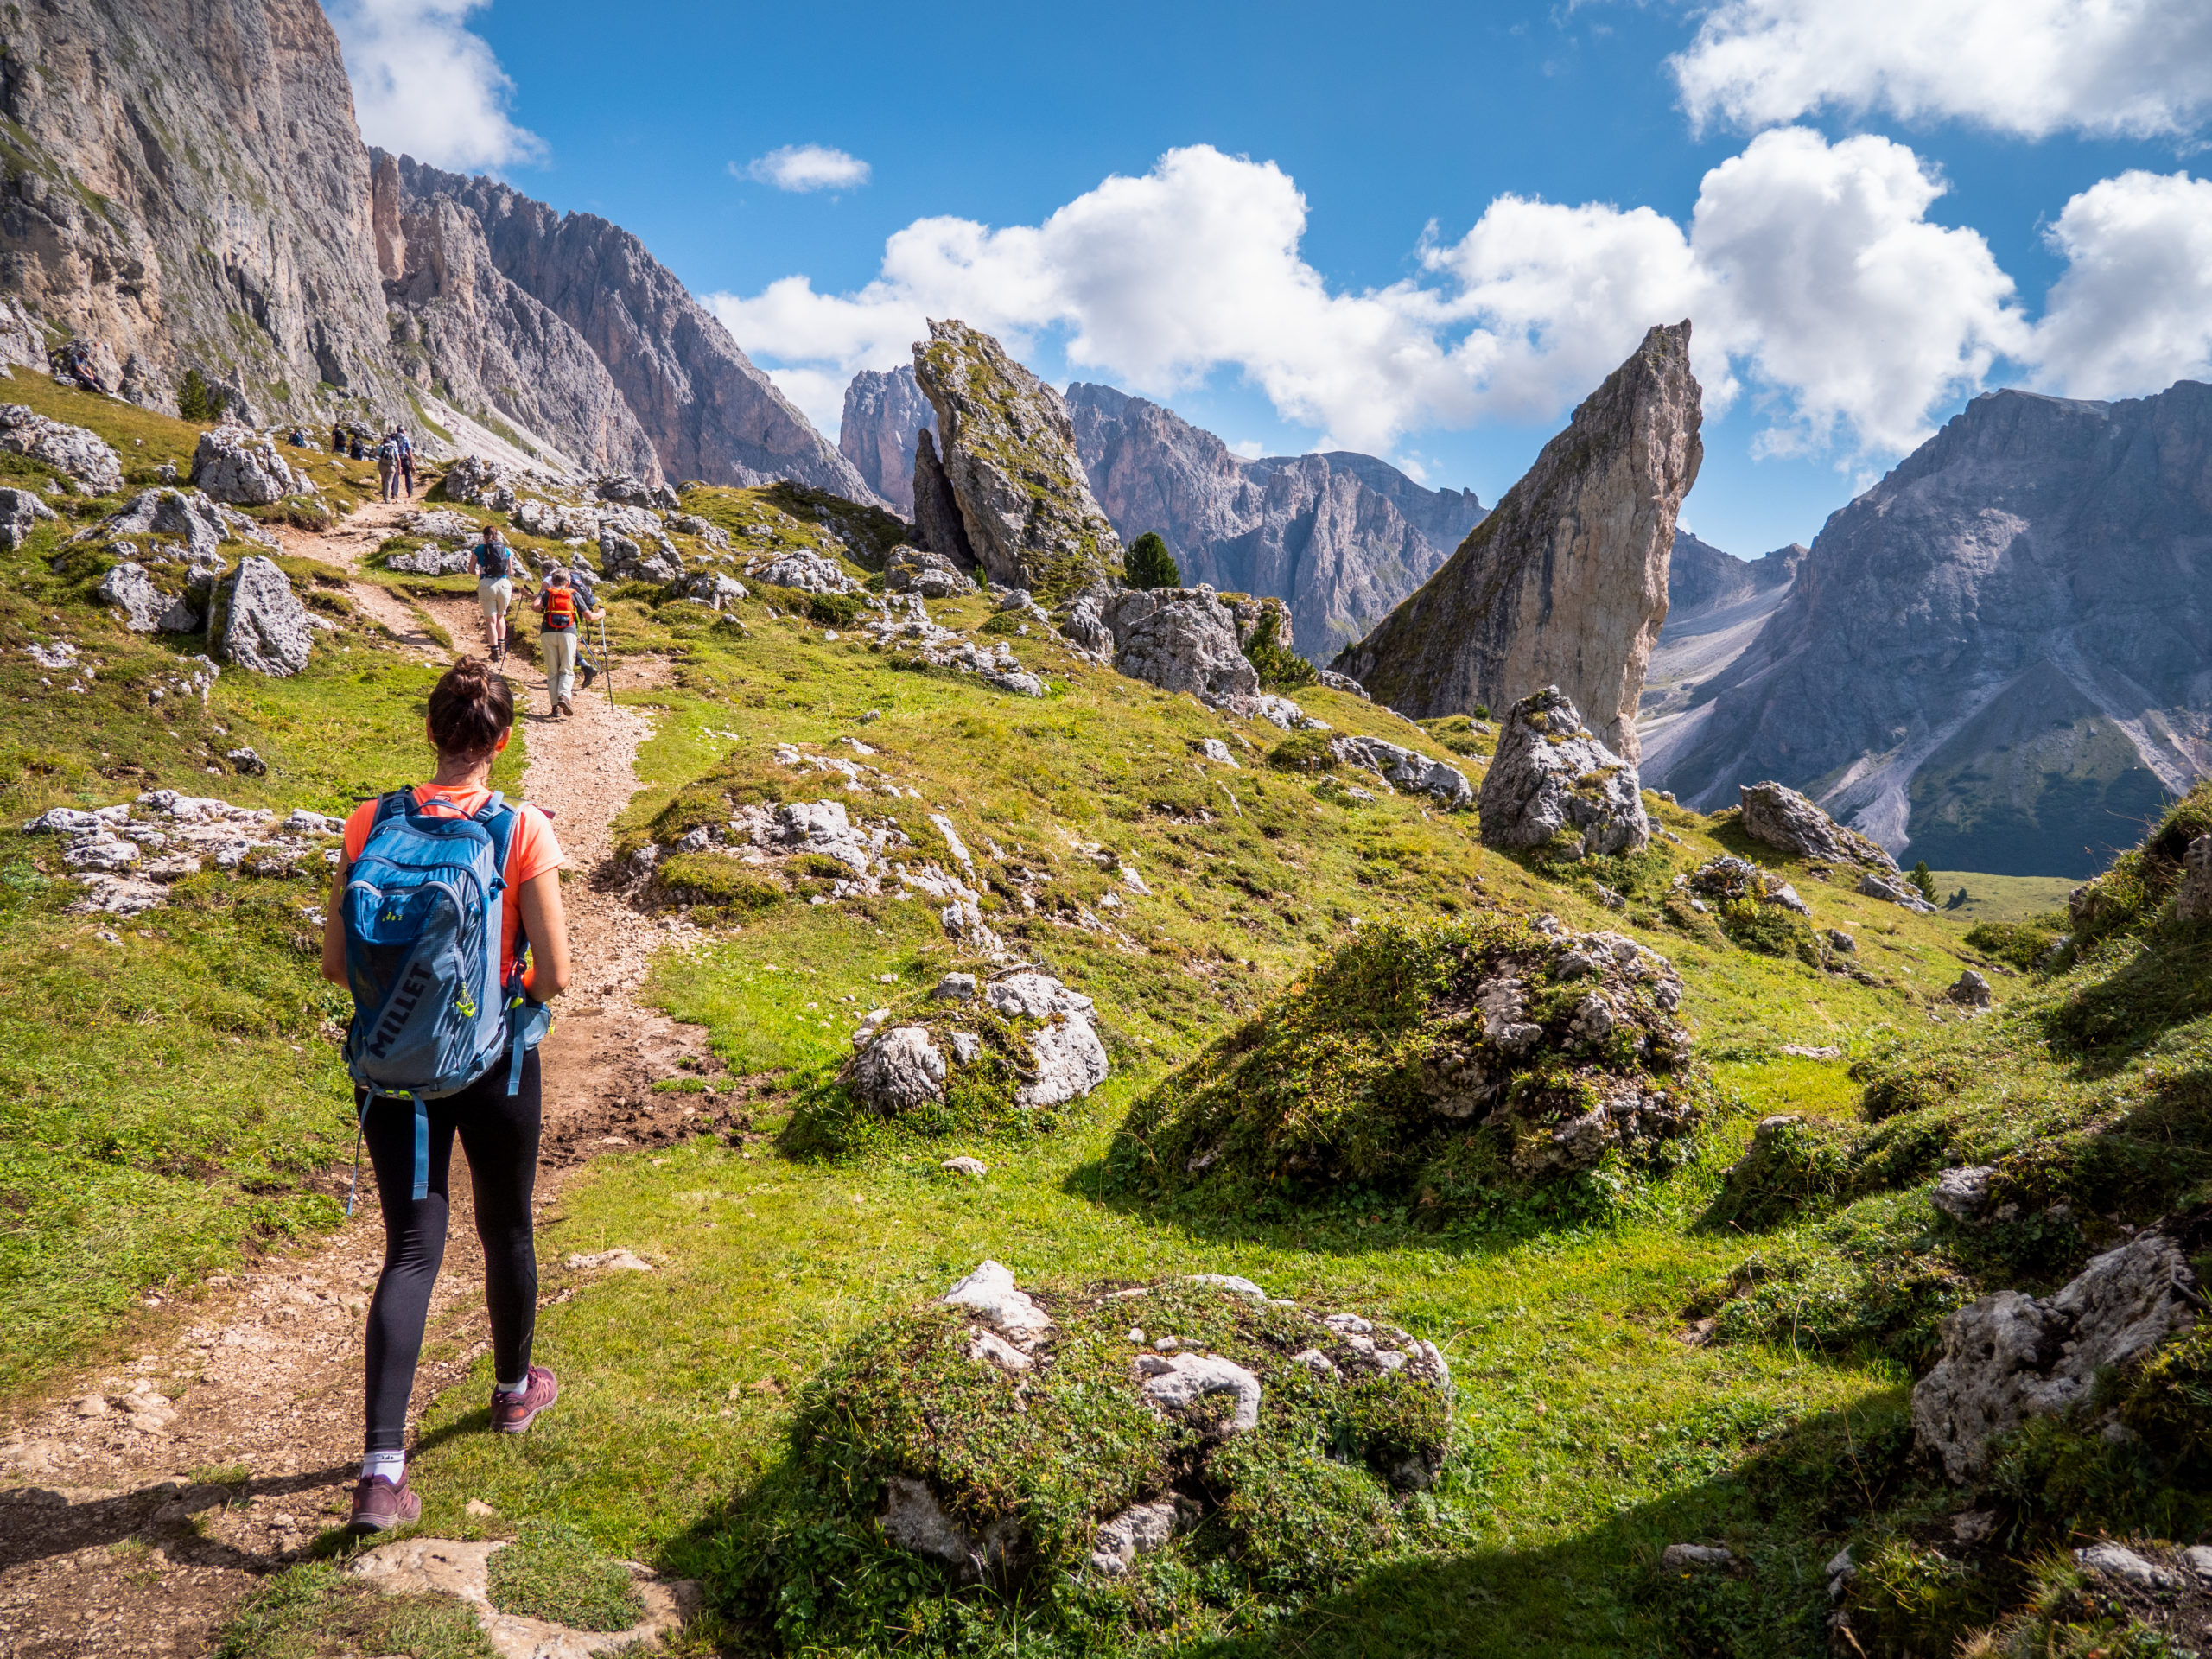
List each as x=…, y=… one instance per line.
x=1349, y=1220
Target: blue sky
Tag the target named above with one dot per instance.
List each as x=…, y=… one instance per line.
x=1402, y=127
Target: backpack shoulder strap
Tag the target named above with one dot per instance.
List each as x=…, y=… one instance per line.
x=498, y=820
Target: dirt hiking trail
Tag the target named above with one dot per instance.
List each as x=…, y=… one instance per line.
x=108, y=1547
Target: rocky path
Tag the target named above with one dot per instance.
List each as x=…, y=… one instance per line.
x=125, y=1525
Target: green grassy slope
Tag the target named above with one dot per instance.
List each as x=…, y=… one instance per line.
x=1688, y=1366
x=1590, y=1434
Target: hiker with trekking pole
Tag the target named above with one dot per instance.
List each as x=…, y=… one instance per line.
x=563, y=615
x=446, y=924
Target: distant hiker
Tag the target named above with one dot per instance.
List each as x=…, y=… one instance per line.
x=419, y=920
x=584, y=584
x=495, y=587
x=406, y=460
x=337, y=440
x=388, y=466
x=556, y=639
x=355, y=450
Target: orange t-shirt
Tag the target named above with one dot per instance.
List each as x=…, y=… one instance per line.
x=532, y=851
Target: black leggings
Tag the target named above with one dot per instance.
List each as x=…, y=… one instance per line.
x=499, y=1131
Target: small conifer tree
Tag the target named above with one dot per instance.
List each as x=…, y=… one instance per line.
x=195, y=400
x=1924, y=879
x=1149, y=564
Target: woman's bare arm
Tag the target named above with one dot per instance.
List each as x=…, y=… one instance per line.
x=545, y=925
x=334, y=929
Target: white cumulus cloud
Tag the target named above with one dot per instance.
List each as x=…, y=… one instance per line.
x=1809, y=269
x=807, y=167
x=2132, y=312
x=2136, y=68
x=425, y=86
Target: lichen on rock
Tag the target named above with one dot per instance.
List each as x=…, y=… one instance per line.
x=1553, y=787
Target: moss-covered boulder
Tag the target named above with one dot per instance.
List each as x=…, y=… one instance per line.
x=1110, y=1449
x=995, y=1056
x=1451, y=1061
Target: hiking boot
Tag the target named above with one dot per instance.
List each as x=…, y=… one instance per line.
x=513, y=1412
x=564, y=707
x=379, y=1504
x=588, y=674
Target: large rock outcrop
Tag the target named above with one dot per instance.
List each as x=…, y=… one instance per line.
x=2000, y=656
x=1343, y=537
x=709, y=412
x=462, y=328
x=185, y=185
x=1180, y=639
x=1564, y=583
x=1553, y=784
x=1008, y=452
x=884, y=414
x=263, y=625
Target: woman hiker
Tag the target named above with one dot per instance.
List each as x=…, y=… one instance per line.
x=471, y=712
x=495, y=587
x=556, y=636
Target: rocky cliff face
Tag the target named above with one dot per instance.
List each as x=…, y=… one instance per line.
x=1716, y=604
x=884, y=414
x=1342, y=536
x=1564, y=583
x=708, y=411
x=1008, y=455
x=461, y=329
x=2000, y=657
x=186, y=185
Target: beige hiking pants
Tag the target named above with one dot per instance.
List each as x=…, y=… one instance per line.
x=559, y=652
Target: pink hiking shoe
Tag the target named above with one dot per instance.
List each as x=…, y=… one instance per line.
x=512, y=1413
x=379, y=1505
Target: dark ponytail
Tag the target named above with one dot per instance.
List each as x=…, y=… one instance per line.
x=470, y=710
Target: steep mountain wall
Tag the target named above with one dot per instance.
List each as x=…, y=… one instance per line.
x=464, y=332
x=1342, y=537
x=1716, y=604
x=185, y=184
x=709, y=412
x=884, y=414
x=1564, y=583
x=2000, y=657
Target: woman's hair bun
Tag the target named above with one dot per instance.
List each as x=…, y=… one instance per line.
x=471, y=707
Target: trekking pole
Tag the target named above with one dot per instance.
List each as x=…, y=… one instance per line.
x=607, y=651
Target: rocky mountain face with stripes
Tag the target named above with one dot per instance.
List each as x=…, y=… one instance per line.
x=187, y=190
x=2000, y=657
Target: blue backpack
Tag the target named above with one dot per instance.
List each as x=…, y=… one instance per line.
x=421, y=920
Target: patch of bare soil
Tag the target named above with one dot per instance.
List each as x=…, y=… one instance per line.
x=125, y=1528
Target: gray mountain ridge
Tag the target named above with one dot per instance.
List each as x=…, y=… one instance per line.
x=2000, y=657
x=707, y=410
x=1716, y=604
x=1341, y=538
x=186, y=189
